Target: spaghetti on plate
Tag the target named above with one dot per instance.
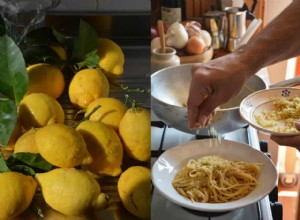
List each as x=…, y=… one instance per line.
x=286, y=110
x=212, y=179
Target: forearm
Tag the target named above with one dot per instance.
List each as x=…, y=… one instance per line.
x=278, y=41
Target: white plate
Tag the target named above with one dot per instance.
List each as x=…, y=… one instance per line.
x=172, y=160
x=261, y=101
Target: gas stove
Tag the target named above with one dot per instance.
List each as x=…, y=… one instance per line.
x=165, y=137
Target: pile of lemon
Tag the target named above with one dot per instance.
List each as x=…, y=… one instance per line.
x=92, y=149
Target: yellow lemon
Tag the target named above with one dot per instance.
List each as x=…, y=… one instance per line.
x=62, y=146
x=71, y=191
x=17, y=132
x=51, y=214
x=134, y=130
x=104, y=145
x=45, y=78
x=111, y=56
x=59, y=50
x=134, y=187
x=17, y=191
x=26, y=143
x=111, y=111
x=38, y=110
x=86, y=86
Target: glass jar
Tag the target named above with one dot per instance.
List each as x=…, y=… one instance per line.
x=161, y=60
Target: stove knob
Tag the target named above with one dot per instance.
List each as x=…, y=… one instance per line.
x=263, y=146
x=273, y=196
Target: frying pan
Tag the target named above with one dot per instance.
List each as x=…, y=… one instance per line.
x=169, y=94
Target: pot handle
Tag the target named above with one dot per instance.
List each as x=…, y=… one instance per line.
x=288, y=82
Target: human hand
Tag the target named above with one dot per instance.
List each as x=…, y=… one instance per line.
x=214, y=83
x=292, y=141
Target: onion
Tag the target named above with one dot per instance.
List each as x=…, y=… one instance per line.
x=176, y=36
x=206, y=37
x=154, y=32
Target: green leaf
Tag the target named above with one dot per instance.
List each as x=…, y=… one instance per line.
x=3, y=166
x=91, y=60
x=40, y=37
x=8, y=119
x=61, y=38
x=13, y=75
x=33, y=160
x=41, y=54
x=85, y=42
x=26, y=170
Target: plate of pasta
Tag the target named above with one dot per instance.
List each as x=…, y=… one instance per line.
x=213, y=176
x=273, y=111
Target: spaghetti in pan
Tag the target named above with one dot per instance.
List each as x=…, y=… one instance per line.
x=212, y=179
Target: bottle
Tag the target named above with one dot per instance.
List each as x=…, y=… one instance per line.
x=172, y=11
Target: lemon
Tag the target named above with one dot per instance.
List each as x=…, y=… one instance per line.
x=26, y=143
x=104, y=145
x=51, y=214
x=111, y=111
x=38, y=110
x=111, y=56
x=17, y=191
x=71, y=191
x=45, y=78
x=17, y=132
x=59, y=50
x=86, y=86
x=62, y=146
x=134, y=130
x=134, y=187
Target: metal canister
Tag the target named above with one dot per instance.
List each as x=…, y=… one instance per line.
x=236, y=22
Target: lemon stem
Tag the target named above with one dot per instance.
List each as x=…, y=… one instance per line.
x=132, y=102
x=126, y=88
x=37, y=209
x=87, y=117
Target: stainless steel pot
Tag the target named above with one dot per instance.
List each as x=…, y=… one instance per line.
x=169, y=94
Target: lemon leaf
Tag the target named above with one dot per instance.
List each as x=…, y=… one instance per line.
x=85, y=42
x=40, y=36
x=13, y=75
x=26, y=170
x=91, y=61
x=3, y=166
x=35, y=161
x=41, y=54
x=8, y=119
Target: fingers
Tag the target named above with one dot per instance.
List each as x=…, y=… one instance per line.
x=297, y=125
x=200, y=120
x=292, y=141
x=192, y=117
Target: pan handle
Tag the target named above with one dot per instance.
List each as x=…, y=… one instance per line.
x=288, y=82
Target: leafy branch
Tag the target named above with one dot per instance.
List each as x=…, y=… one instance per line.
x=90, y=61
